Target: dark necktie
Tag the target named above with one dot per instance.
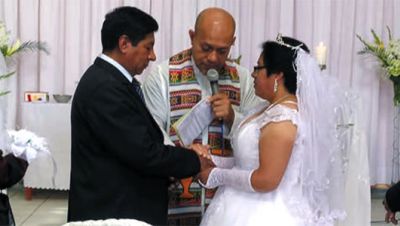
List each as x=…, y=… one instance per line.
x=138, y=90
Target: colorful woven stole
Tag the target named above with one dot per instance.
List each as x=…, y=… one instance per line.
x=185, y=92
x=228, y=83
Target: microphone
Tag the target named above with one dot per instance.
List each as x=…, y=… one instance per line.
x=212, y=76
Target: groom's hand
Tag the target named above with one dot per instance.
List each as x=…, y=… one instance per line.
x=203, y=175
x=206, y=162
x=206, y=166
x=201, y=150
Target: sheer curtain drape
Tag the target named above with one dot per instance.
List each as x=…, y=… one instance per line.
x=72, y=30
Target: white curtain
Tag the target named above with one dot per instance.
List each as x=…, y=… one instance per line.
x=72, y=30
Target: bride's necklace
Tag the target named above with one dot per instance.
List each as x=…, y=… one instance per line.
x=273, y=104
x=264, y=109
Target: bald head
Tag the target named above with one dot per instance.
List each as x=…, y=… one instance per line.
x=212, y=38
x=216, y=19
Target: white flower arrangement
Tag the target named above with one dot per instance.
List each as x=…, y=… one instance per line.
x=393, y=57
x=389, y=57
x=27, y=145
x=9, y=49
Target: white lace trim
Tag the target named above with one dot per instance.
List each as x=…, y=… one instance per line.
x=279, y=113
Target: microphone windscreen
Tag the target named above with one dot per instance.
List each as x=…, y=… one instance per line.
x=212, y=75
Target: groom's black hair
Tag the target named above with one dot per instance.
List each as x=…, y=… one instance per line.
x=129, y=21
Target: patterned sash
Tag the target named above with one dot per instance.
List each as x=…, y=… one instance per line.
x=185, y=92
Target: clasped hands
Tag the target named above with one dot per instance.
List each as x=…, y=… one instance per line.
x=222, y=109
x=205, y=161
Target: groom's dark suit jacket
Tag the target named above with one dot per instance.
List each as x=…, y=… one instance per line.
x=119, y=165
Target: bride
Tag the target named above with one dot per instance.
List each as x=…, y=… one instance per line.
x=286, y=168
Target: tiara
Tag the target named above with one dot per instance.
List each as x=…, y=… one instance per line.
x=280, y=41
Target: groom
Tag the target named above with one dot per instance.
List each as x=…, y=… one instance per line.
x=119, y=164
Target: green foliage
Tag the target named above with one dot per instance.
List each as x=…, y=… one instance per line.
x=9, y=49
x=389, y=57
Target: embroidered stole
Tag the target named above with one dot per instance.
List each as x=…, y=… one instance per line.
x=185, y=92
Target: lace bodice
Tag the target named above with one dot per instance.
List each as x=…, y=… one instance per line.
x=278, y=207
x=245, y=138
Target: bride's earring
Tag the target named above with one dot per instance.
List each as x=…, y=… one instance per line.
x=276, y=86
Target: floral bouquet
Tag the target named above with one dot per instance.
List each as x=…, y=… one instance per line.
x=9, y=49
x=26, y=145
x=389, y=57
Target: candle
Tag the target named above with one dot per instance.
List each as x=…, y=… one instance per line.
x=320, y=51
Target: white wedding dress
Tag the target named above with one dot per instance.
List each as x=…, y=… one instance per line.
x=283, y=206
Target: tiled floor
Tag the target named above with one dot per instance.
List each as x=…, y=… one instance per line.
x=377, y=212
x=49, y=208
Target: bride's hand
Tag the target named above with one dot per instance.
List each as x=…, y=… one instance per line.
x=201, y=150
x=203, y=175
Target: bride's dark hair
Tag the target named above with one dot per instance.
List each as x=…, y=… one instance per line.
x=281, y=58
